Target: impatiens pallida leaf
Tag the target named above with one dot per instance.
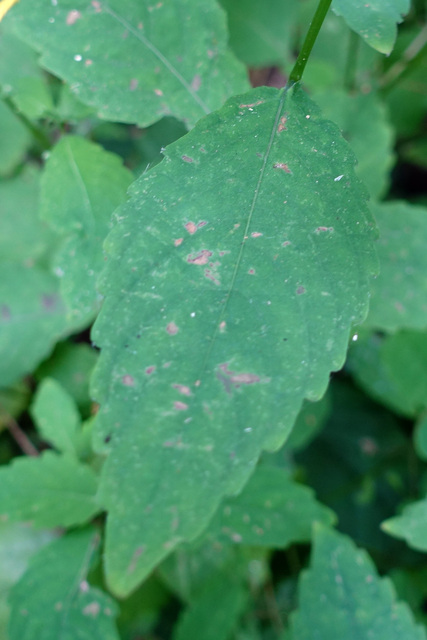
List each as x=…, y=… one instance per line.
x=50, y=490
x=375, y=21
x=223, y=311
x=399, y=294
x=411, y=525
x=144, y=69
x=53, y=599
x=271, y=511
x=341, y=596
x=15, y=140
x=81, y=186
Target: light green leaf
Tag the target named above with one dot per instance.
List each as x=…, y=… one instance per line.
x=50, y=491
x=260, y=32
x=399, y=294
x=375, y=21
x=222, y=312
x=271, y=511
x=363, y=121
x=81, y=186
x=341, y=596
x=410, y=525
x=53, y=599
x=144, y=69
x=15, y=140
x=392, y=369
x=203, y=621
x=32, y=318
x=18, y=542
x=56, y=416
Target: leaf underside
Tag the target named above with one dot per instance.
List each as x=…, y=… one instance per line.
x=222, y=312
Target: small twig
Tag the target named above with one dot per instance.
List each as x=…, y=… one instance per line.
x=272, y=608
x=21, y=438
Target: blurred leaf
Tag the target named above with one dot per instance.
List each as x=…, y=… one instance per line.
x=15, y=140
x=244, y=267
x=342, y=596
x=50, y=491
x=54, y=601
x=81, y=186
x=375, y=21
x=56, y=416
x=399, y=294
x=309, y=422
x=411, y=525
x=13, y=400
x=155, y=70
x=420, y=437
x=271, y=511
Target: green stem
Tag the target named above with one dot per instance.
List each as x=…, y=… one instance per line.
x=38, y=135
x=409, y=60
x=310, y=39
x=351, y=62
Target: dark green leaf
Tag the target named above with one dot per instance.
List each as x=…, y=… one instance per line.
x=15, y=140
x=146, y=69
x=223, y=311
x=341, y=596
x=53, y=599
x=50, y=491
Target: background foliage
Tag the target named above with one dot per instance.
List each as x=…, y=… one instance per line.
x=213, y=327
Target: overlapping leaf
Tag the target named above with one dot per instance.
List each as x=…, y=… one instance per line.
x=375, y=21
x=342, y=596
x=223, y=311
x=53, y=599
x=147, y=69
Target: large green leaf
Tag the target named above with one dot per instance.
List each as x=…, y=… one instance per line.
x=51, y=491
x=411, y=525
x=81, y=186
x=223, y=311
x=341, y=596
x=135, y=61
x=375, y=21
x=399, y=294
x=271, y=511
x=53, y=599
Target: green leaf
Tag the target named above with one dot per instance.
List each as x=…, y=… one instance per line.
x=309, y=422
x=410, y=525
x=271, y=511
x=399, y=294
x=420, y=437
x=81, y=186
x=18, y=542
x=50, y=490
x=15, y=140
x=56, y=415
x=392, y=369
x=260, y=32
x=341, y=596
x=53, y=599
x=32, y=318
x=203, y=621
x=222, y=313
x=123, y=57
x=363, y=121
x=13, y=401
x=374, y=21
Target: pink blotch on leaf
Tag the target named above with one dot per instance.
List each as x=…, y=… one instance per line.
x=172, y=329
x=180, y=406
x=200, y=258
x=128, y=381
x=73, y=16
x=283, y=166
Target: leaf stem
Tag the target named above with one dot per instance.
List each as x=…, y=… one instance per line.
x=21, y=438
x=409, y=60
x=310, y=39
x=37, y=133
x=351, y=62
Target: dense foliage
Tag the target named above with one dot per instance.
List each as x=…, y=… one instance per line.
x=213, y=320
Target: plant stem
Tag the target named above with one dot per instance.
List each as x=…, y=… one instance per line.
x=310, y=39
x=39, y=135
x=21, y=438
x=409, y=60
x=351, y=62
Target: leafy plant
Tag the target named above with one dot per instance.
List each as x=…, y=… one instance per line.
x=224, y=244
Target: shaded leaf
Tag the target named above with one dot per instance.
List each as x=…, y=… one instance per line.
x=271, y=511
x=51, y=491
x=53, y=599
x=399, y=294
x=222, y=312
x=81, y=186
x=410, y=525
x=375, y=21
x=56, y=416
x=15, y=140
x=206, y=622
x=342, y=596
x=420, y=437
x=148, y=70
